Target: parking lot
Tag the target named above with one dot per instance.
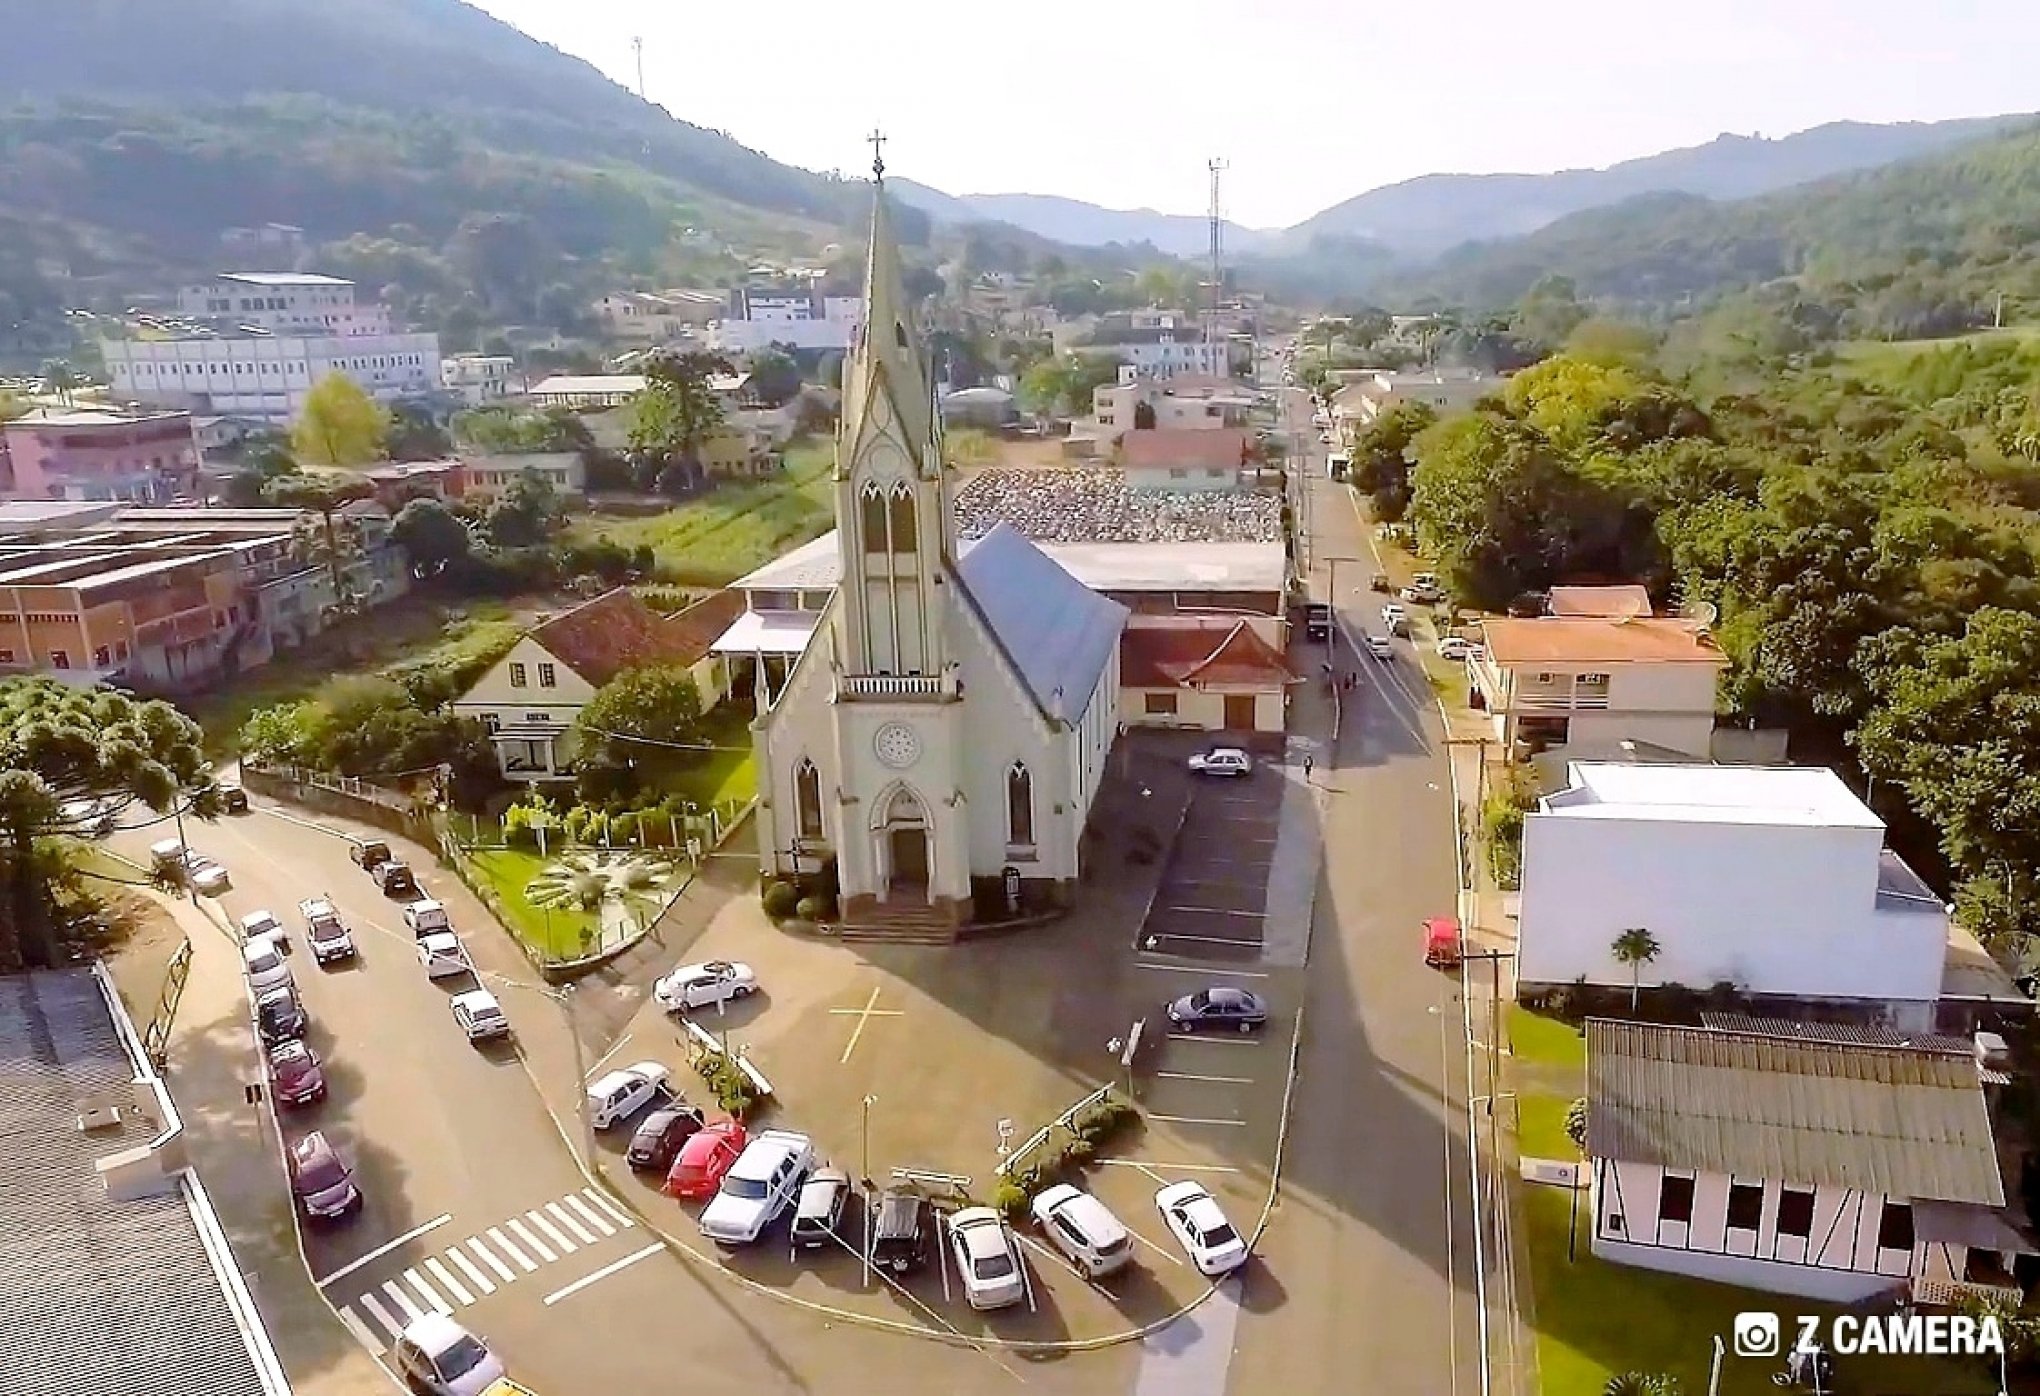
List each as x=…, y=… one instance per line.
x=1212, y=901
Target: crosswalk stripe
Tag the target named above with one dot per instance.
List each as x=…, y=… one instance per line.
x=616, y=1213
x=445, y=1277
x=566, y=1219
x=427, y=1292
x=488, y=1257
x=558, y=1237
x=524, y=1261
x=391, y=1324
x=524, y=1234
x=594, y=1218
x=471, y=1270
x=361, y=1331
x=402, y=1301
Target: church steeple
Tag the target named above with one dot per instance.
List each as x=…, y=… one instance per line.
x=886, y=360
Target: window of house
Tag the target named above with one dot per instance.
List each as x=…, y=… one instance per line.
x=6, y=656
x=807, y=800
x=490, y=722
x=1159, y=704
x=517, y=676
x=548, y=676
x=101, y=657
x=1745, y=1206
x=1019, y=806
x=1675, y=1199
x=60, y=659
x=1795, y=1213
x=1895, y=1227
x=1593, y=678
x=537, y=719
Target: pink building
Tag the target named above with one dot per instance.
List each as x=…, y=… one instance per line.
x=91, y=452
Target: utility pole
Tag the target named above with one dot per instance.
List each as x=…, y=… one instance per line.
x=637, y=48
x=1211, y=335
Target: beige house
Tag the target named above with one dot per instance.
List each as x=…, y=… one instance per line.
x=1364, y=399
x=485, y=477
x=530, y=699
x=1591, y=683
x=1215, y=673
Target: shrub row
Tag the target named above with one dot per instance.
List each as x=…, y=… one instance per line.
x=1090, y=1130
x=727, y=1080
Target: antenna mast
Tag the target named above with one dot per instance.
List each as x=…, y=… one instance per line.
x=637, y=47
x=1217, y=168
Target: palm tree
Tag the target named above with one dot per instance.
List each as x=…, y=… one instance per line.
x=60, y=378
x=1641, y=1384
x=1635, y=947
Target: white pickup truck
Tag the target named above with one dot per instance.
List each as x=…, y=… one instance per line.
x=442, y=954
x=325, y=931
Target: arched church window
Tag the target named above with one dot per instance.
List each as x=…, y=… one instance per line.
x=1019, y=806
x=902, y=507
x=900, y=334
x=807, y=799
x=871, y=510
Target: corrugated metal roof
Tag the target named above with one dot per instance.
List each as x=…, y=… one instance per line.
x=96, y=1296
x=1881, y=1119
x=1859, y=1034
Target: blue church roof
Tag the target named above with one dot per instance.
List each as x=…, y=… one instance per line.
x=1057, y=632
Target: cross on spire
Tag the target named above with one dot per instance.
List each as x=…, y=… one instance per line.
x=877, y=139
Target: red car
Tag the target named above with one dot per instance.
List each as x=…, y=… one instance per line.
x=1441, y=942
x=295, y=1073
x=704, y=1158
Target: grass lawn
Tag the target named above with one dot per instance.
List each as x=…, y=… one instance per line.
x=713, y=540
x=1547, y=1041
x=553, y=931
x=1540, y=1128
x=1595, y=1320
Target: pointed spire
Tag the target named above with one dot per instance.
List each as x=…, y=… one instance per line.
x=887, y=356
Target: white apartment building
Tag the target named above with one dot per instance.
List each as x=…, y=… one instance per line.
x=478, y=378
x=280, y=301
x=267, y=376
x=803, y=319
x=1373, y=392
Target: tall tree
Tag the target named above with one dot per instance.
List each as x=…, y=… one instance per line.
x=59, y=744
x=678, y=410
x=526, y=513
x=657, y=702
x=431, y=536
x=331, y=541
x=775, y=377
x=1635, y=947
x=60, y=378
x=339, y=425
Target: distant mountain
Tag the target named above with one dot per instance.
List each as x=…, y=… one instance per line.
x=1084, y=225
x=1430, y=214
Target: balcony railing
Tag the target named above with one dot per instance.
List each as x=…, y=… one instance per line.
x=895, y=686
x=1558, y=700
x=1951, y=1293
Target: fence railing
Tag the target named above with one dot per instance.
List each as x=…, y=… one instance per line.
x=1046, y=1132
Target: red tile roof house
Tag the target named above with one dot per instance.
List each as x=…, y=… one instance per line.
x=1213, y=673
x=531, y=697
x=1183, y=458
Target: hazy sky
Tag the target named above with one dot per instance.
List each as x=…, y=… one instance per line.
x=1311, y=101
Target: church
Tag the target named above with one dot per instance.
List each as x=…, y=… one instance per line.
x=952, y=716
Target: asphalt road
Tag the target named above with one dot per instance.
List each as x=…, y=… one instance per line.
x=1373, y=1241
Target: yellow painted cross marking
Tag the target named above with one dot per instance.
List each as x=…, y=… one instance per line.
x=864, y=1015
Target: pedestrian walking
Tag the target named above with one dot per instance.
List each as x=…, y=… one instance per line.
x=1308, y=762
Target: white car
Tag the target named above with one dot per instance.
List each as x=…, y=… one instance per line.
x=703, y=985
x=619, y=1094
x=479, y=1015
x=1083, y=1229
x=1423, y=595
x=1455, y=647
x=436, y=1354
x=205, y=875
x=426, y=915
x=328, y=934
x=1200, y=1228
x=259, y=925
x=1222, y=761
x=761, y=1184
x=987, y=1261
x=1379, y=646
x=88, y=818
x=442, y=954
x=264, y=962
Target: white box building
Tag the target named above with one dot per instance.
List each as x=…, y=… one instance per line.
x=1774, y=878
x=284, y=300
x=267, y=376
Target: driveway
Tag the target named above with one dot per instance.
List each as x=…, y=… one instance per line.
x=1214, y=888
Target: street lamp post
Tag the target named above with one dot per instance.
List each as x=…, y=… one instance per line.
x=184, y=854
x=865, y=1142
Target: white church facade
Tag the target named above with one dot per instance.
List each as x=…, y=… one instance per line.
x=952, y=717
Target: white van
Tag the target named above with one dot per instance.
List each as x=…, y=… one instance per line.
x=426, y=916
x=1083, y=1229
x=170, y=853
x=265, y=965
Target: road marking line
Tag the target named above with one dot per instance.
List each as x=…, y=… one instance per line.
x=594, y=1218
x=427, y=1292
x=403, y=1301
x=1149, y=1168
x=385, y=1248
x=558, y=1237
x=524, y=1262
x=445, y=1277
x=1169, y=1256
x=622, y=1218
x=1234, y=1041
x=474, y=1243
x=615, y=1047
x=1216, y=911
x=361, y=1332
x=391, y=1324
x=863, y=1017
x=1194, y=1120
x=1026, y=1279
x=1192, y=1076
x=566, y=1219
x=473, y=1271
x=1205, y=940
x=604, y=1273
x=524, y=1234
x=875, y=1013
x=1058, y=1257
x=1206, y=970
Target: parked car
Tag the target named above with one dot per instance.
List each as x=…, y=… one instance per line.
x=426, y=916
x=168, y=855
x=443, y=955
x=321, y=1180
x=1222, y=761
x=436, y=1354
x=619, y=1094
x=660, y=1134
x=1379, y=646
x=1083, y=1229
x=327, y=933
x=369, y=854
x=1455, y=647
x=264, y=964
x=704, y=985
x=295, y=1075
x=206, y=876
x=259, y=925
x=1317, y=620
x=987, y=1261
x=818, y=1211
x=233, y=799
x=479, y=1015
x=1423, y=594
x=90, y=818
x=900, y=1231
x=1396, y=620
x=1441, y=942
x=699, y=1167
x=395, y=879
x=759, y=1186
x=279, y=1016
x=1379, y=582
x=1220, y=1006
x=1200, y=1228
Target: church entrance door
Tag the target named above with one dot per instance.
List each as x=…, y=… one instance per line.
x=909, y=860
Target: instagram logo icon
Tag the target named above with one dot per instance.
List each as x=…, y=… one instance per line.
x=1756, y=1334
